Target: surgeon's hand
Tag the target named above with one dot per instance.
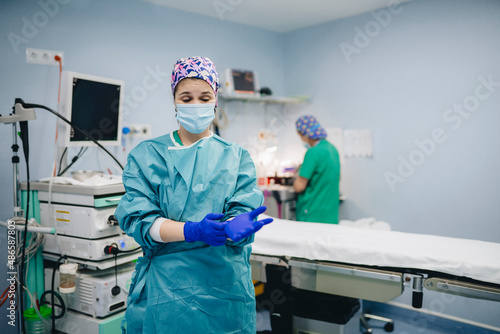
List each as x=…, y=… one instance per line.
x=243, y=225
x=207, y=230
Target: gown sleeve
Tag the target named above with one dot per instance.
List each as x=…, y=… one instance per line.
x=138, y=208
x=247, y=196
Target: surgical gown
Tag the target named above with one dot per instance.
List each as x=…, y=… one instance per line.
x=181, y=287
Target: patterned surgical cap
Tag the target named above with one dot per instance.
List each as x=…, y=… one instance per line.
x=308, y=125
x=195, y=67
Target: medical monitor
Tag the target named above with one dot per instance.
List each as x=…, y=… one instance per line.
x=241, y=82
x=93, y=104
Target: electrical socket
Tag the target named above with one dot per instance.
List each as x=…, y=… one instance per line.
x=140, y=130
x=43, y=57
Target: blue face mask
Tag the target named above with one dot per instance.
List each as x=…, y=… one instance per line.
x=195, y=118
x=306, y=145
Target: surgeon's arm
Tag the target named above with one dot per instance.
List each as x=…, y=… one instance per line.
x=300, y=184
x=208, y=230
x=138, y=208
x=167, y=230
x=307, y=170
x=141, y=217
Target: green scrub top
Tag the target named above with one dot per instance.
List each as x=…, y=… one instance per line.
x=177, y=138
x=319, y=202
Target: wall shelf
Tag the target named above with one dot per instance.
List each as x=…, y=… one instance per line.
x=267, y=99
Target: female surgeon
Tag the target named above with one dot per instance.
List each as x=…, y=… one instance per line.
x=317, y=184
x=191, y=202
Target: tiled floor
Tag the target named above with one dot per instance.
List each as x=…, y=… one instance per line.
x=412, y=322
x=405, y=322
x=402, y=327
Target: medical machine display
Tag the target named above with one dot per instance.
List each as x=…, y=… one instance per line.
x=92, y=104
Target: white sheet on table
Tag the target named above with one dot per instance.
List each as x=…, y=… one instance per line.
x=475, y=259
x=370, y=223
x=95, y=180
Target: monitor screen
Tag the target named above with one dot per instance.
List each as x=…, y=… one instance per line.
x=94, y=110
x=92, y=104
x=243, y=81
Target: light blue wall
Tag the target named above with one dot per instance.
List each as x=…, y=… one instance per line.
x=424, y=61
x=117, y=39
x=427, y=58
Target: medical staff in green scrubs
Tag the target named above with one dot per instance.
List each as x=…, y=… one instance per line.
x=317, y=183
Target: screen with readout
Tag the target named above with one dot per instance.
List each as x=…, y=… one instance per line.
x=243, y=81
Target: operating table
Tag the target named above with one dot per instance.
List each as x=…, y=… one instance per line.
x=377, y=265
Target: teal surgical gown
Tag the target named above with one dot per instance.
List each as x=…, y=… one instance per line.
x=181, y=287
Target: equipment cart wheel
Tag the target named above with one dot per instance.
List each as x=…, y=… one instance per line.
x=389, y=327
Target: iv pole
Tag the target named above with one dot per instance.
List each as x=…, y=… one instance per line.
x=19, y=114
x=18, y=212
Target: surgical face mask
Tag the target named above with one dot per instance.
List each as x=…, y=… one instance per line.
x=195, y=118
x=306, y=145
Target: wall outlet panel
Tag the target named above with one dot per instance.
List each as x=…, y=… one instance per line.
x=140, y=130
x=43, y=57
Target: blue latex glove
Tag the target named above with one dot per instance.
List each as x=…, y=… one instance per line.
x=207, y=230
x=244, y=225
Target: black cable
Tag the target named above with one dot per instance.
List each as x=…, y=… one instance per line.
x=60, y=161
x=53, y=291
x=114, y=250
x=116, y=271
x=31, y=105
x=115, y=291
x=25, y=139
x=75, y=158
x=24, y=244
x=130, y=251
x=68, y=166
x=61, y=300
